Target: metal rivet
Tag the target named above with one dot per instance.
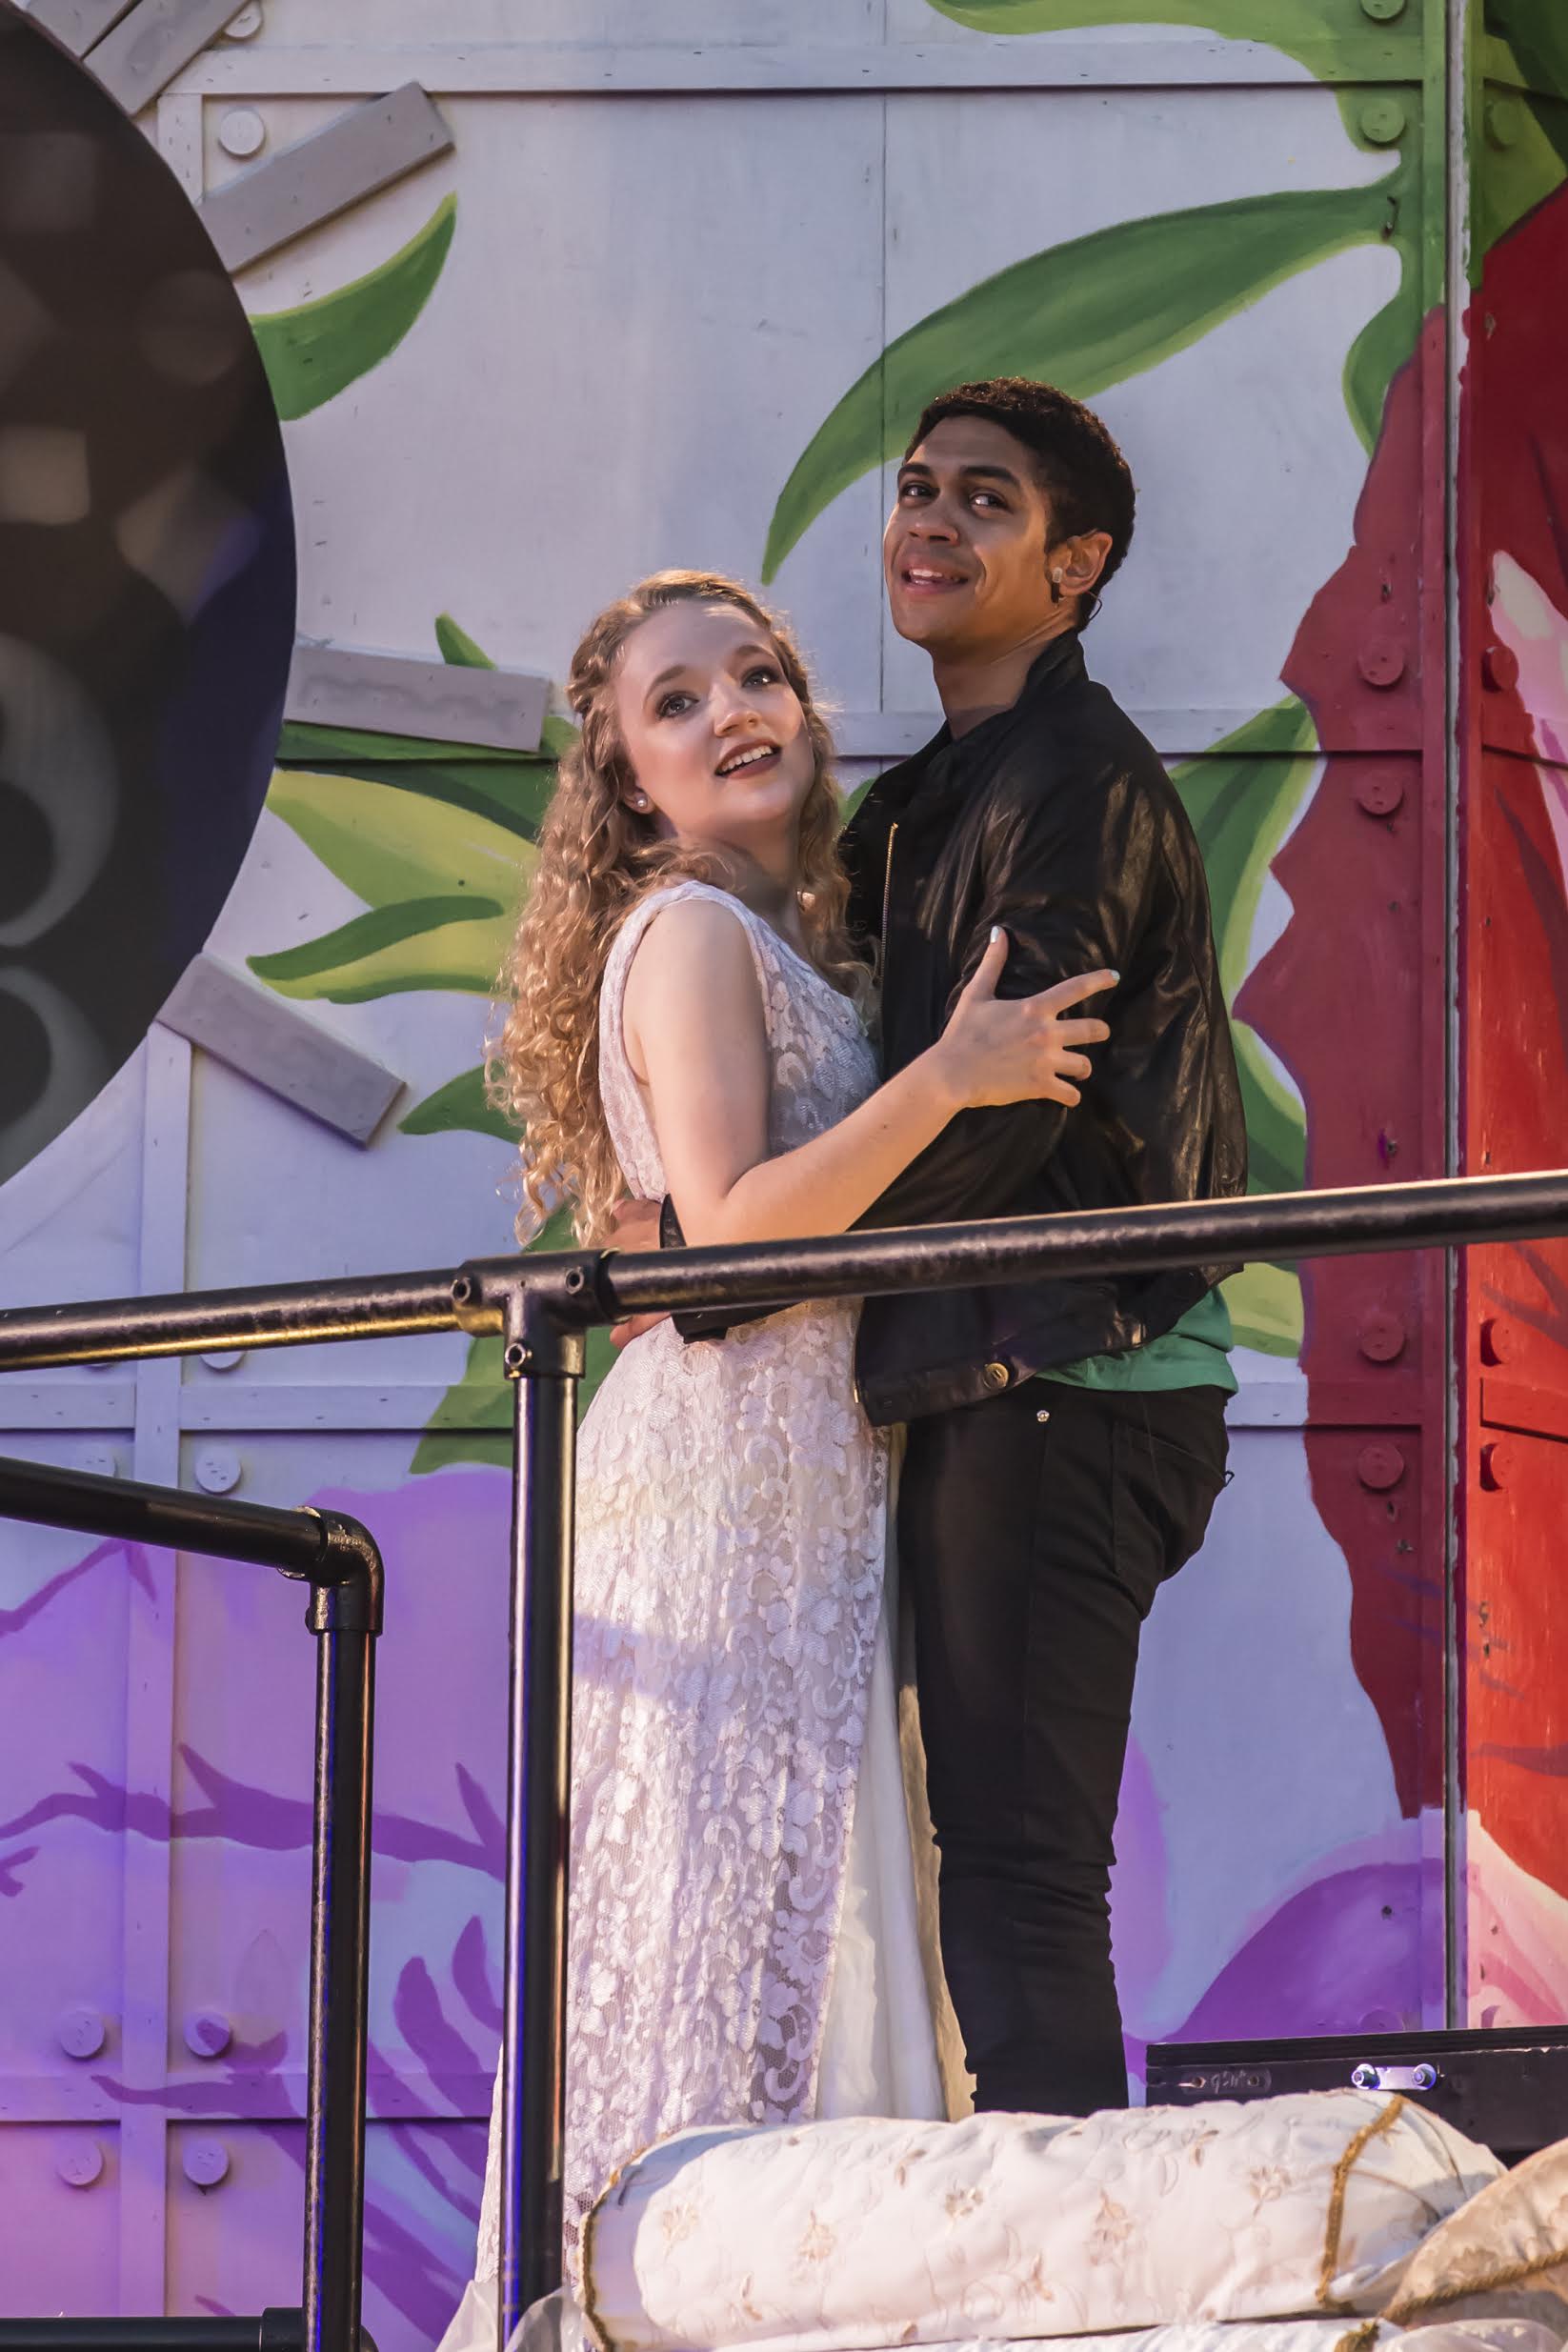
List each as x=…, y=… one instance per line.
x=205, y=2162
x=1042, y=1416
x=1382, y=12
x=1380, y=795
x=79, y=2161
x=1496, y=1465
x=1499, y=1341
x=1382, y=121
x=81, y=2032
x=242, y=131
x=515, y=1356
x=246, y=24
x=1499, y=669
x=1382, y=1337
x=462, y=1289
x=1504, y=121
x=1381, y=662
x=208, y=2033
x=224, y=1360
x=217, y=1470
x=1379, y=1466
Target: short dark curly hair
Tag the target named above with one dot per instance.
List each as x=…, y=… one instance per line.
x=1077, y=464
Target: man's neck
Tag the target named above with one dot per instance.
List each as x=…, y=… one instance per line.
x=975, y=687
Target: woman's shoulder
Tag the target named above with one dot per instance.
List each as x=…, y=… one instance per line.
x=684, y=924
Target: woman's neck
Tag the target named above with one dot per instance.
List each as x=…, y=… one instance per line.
x=770, y=885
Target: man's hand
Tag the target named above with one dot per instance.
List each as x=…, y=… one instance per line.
x=636, y=1225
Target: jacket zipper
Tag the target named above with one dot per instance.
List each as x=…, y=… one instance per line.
x=886, y=903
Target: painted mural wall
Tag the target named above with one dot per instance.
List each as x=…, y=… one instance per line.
x=680, y=302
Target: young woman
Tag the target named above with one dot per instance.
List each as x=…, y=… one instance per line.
x=688, y=1017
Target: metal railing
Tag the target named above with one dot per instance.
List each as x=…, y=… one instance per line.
x=543, y=1306
x=338, y=1558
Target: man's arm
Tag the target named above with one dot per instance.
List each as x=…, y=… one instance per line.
x=1069, y=887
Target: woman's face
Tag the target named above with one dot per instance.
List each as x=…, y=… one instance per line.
x=714, y=731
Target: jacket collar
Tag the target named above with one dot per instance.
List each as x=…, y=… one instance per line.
x=953, y=759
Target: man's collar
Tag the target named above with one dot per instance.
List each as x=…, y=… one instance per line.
x=1055, y=666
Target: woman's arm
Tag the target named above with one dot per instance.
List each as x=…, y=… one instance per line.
x=696, y=1038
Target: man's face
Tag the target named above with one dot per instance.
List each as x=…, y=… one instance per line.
x=964, y=553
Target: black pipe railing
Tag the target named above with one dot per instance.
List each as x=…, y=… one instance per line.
x=338, y=1558
x=603, y=1286
x=543, y=1304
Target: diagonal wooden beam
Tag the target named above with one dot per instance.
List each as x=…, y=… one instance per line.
x=145, y=48
x=77, y=23
x=303, y=185
x=502, y=710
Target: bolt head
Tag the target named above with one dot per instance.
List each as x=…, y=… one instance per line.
x=79, y=2160
x=1382, y=1337
x=1379, y=1466
x=208, y=2033
x=205, y=2162
x=81, y=2031
x=1498, y=1466
x=1381, y=662
x=1382, y=121
x=1380, y=795
x=1499, y=669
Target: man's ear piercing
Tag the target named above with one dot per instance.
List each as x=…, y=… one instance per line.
x=1055, y=587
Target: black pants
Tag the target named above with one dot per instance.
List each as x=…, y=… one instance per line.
x=1035, y=1530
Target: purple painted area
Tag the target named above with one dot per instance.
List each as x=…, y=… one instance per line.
x=1324, y=1961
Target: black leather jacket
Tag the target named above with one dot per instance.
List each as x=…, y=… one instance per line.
x=1055, y=819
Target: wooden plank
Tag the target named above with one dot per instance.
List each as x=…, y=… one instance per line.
x=180, y=141
x=1523, y=1405
x=320, y=176
x=680, y=69
x=146, y=49
x=270, y=1040
x=501, y=709
x=78, y=23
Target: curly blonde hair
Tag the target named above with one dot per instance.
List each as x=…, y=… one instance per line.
x=597, y=857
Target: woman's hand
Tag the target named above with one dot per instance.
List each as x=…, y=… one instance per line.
x=1018, y=1049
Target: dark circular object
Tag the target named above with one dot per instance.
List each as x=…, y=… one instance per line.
x=24, y=1058
x=30, y=851
x=147, y=586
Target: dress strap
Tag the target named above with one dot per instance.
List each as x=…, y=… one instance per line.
x=631, y=1129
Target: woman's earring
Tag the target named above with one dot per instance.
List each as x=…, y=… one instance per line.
x=640, y=800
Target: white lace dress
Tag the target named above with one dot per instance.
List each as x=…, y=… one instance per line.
x=744, y=1943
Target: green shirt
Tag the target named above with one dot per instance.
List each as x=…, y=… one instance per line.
x=1194, y=1353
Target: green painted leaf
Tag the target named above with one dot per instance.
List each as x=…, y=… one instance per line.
x=513, y=793
x=315, y=351
x=1510, y=180
x=393, y=842
x=458, y=647
x=303, y=744
x=461, y=1106
x=473, y=1423
x=1265, y=1304
x=1290, y=25
x=1276, y=1127
x=1377, y=355
x=1241, y=797
x=1536, y=33
x=1086, y=315
x=440, y=943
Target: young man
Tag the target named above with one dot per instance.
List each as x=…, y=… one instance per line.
x=1067, y=1438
